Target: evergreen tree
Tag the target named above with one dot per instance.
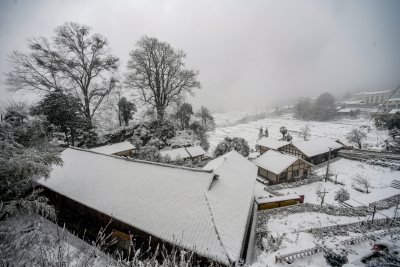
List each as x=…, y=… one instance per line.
x=206, y=118
x=126, y=110
x=184, y=114
x=240, y=145
x=283, y=131
x=20, y=165
x=266, y=134
x=260, y=133
x=64, y=112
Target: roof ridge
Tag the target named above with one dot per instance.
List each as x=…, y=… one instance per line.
x=144, y=161
x=216, y=230
x=190, y=155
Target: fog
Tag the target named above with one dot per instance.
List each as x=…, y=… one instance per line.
x=250, y=54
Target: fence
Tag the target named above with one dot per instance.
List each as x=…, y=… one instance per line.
x=297, y=255
x=290, y=257
x=377, y=222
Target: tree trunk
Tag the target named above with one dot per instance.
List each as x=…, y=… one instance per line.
x=87, y=111
x=160, y=113
x=73, y=136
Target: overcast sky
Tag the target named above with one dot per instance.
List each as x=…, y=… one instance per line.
x=249, y=53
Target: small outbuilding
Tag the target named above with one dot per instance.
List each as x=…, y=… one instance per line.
x=123, y=149
x=315, y=150
x=276, y=167
x=191, y=152
x=266, y=143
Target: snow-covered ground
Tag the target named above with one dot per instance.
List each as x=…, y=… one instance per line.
x=346, y=170
x=289, y=225
x=334, y=129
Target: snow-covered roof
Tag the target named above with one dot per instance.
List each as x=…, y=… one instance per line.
x=114, y=148
x=275, y=161
x=393, y=99
x=394, y=111
x=275, y=199
x=271, y=143
x=183, y=152
x=346, y=110
x=187, y=207
x=316, y=146
x=374, y=93
x=231, y=198
x=352, y=102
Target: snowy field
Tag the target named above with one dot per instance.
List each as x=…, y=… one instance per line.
x=346, y=170
x=287, y=225
x=334, y=129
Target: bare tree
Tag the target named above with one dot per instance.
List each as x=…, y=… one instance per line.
x=157, y=70
x=73, y=62
x=321, y=193
x=110, y=107
x=305, y=132
x=362, y=182
x=356, y=136
x=206, y=118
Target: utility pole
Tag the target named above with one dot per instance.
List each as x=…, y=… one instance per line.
x=327, y=165
x=373, y=213
x=397, y=207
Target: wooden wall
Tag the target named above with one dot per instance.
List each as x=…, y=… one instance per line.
x=302, y=167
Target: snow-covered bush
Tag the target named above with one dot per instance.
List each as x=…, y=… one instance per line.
x=149, y=152
x=183, y=138
x=335, y=259
x=201, y=134
x=273, y=243
x=342, y=195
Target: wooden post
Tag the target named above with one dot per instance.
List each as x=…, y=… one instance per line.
x=327, y=166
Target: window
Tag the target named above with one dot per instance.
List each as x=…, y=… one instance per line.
x=283, y=176
x=295, y=173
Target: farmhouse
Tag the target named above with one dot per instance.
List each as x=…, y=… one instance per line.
x=315, y=151
x=276, y=167
x=123, y=149
x=210, y=212
x=348, y=112
x=266, y=143
x=192, y=152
